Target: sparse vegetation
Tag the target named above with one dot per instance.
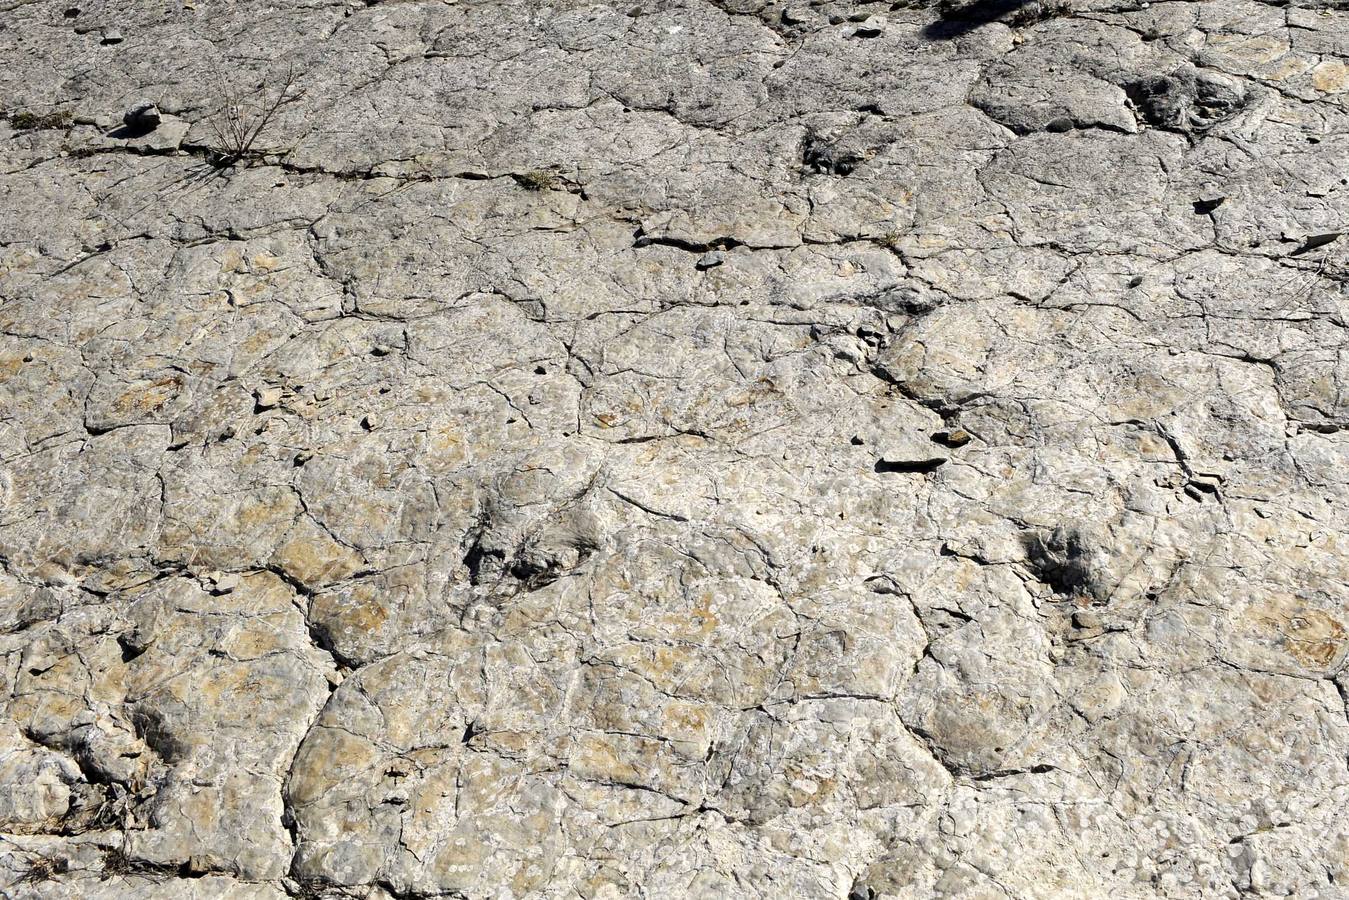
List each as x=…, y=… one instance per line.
x=240, y=121
x=536, y=180
x=44, y=869
x=1040, y=11
x=24, y=120
x=115, y=862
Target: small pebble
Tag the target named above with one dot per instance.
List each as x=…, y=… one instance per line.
x=710, y=260
x=111, y=36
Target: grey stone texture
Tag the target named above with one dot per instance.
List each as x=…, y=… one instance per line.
x=674, y=448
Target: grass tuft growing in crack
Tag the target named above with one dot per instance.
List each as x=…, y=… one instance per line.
x=24, y=120
x=536, y=180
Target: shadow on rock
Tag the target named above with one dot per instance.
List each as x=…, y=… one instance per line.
x=1065, y=559
x=957, y=19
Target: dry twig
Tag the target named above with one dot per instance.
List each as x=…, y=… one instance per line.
x=240, y=121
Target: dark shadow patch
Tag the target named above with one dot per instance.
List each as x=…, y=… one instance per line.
x=537, y=565
x=131, y=132
x=960, y=19
x=1162, y=101
x=1315, y=241
x=130, y=646
x=151, y=728
x=1186, y=101
x=481, y=562
x=827, y=158
x=921, y=466
x=1062, y=559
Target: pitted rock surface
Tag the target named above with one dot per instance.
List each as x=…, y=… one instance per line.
x=686, y=448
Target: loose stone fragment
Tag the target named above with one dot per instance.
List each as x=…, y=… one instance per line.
x=142, y=117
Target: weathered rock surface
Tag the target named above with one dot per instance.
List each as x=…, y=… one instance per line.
x=698, y=448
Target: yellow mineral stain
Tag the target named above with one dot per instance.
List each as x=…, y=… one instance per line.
x=1331, y=76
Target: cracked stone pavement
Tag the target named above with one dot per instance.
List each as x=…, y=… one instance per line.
x=675, y=448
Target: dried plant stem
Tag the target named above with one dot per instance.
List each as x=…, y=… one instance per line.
x=240, y=121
